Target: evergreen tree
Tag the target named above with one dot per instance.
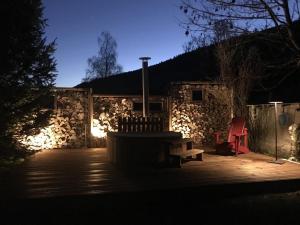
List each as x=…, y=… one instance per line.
x=27, y=70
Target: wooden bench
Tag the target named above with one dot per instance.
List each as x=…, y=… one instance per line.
x=182, y=150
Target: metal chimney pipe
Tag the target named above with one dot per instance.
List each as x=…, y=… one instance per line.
x=145, y=86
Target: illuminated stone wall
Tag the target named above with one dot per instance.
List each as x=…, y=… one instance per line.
x=199, y=120
x=68, y=126
x=72, y=110
x=262, y=130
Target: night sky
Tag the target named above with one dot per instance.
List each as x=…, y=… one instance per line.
x=140, y=27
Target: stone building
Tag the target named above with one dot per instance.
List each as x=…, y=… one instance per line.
x=82, y=119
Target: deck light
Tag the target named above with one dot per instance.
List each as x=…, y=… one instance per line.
x=275, y=126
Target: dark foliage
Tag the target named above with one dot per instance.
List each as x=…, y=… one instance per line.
x=27, y=69
x=244, y=16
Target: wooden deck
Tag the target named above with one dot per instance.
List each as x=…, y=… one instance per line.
x=87, y=172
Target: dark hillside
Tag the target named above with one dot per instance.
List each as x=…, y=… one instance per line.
x=197, y=65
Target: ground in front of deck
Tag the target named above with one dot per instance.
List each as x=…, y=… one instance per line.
x=81, y=187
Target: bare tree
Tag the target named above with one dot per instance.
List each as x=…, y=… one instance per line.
x=245, y=16
x=220, y=30
x=105, y=63
x=195, y=42
x=240, y=68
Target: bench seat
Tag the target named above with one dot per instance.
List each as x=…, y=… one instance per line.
x=193, y=153
x=177, y=159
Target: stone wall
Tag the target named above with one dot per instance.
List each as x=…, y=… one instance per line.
x=107, y=109
x=199, y=120
x=80, y=119
x=68, y=125
x=262, y=129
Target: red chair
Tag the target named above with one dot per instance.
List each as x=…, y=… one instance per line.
x=237, y=141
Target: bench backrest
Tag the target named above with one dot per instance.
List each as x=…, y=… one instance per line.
x=237, y=126
x=140, y=124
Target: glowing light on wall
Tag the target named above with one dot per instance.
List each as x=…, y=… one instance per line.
x=46, y=139
x=98, y=130
x=183, y=129
x=294, y=132
x=185, y=119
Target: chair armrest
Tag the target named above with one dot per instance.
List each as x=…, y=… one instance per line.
x=238, y=135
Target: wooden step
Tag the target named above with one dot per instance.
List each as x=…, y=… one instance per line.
x=193, y=153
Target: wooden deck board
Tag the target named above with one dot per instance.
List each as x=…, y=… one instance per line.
x=80, y=172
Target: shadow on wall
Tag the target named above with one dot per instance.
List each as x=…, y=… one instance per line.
x=261, y=123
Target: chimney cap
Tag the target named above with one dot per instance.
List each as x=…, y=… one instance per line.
x=145, y=58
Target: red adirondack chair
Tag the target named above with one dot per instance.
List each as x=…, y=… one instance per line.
x=237, y=141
